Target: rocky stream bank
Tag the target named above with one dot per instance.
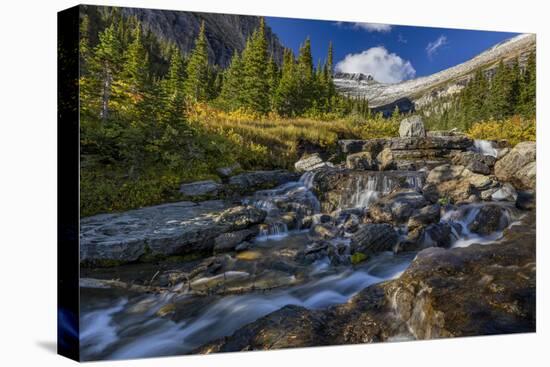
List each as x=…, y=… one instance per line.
x=426, y=235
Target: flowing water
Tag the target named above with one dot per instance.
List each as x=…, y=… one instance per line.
x=485, y=147
x=118, y=324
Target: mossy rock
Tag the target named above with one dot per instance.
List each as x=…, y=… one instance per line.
x=358, y=257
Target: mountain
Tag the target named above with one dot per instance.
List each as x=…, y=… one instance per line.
x=224, y=32
x=416, y=93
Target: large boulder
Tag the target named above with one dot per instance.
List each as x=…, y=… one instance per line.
x=489, y=219
x=256, y=180
x=374, y=146
x=396, y=207
x=372, y=238
x=361, y=160
x=475, y=162
x=412, y=127
x=162, y=230
x=385, y=157
x=311, y=162
x=519, y=166
x=201, y=189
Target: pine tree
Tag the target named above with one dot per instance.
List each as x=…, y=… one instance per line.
x=528, y=89
x=286, y=92
x=136, y=66
x=173, y=88
x=108, y=55
x=305, y=77
x=255, y=89
x=196, y=83
x=273, y=77
x=230, y=95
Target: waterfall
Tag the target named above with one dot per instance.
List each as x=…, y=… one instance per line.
x=307, y=179
x=485, y=147
x=273, y=231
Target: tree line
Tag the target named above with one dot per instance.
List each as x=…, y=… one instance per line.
x=135, y=87
x=505, y=91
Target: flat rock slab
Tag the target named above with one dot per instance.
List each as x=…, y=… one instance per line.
x=168, y=229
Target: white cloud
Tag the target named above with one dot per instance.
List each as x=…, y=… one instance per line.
x=384, y=67
x=432, y=47
x=374, y=27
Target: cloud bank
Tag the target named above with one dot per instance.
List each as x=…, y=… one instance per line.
x=384, y=66
x=432, y=47
x=374, y=27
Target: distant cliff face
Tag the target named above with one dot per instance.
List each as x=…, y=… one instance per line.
x=422, y=91
x=224, y=32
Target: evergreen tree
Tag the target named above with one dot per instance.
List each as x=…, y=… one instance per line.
x=196, y=83
x=136, y=66
x=231, y=90
x=173, y=88
x=286, y=92
x=108, y=55
x=528, y=88
x=255, y=88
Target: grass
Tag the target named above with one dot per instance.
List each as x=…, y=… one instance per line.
x=221, y=139
x=514, y=129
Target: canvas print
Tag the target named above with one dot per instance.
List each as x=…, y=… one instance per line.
x=256, y=183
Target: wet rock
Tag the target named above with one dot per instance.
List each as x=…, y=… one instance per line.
x=361, y=160
x=226, y=172
x=257, y=180
x=438, y=235
x=526, y=200
x=311, y=162
x=475, y=162
x=519, y=166
x=372, y=238
x=240, y=217
x=168, y=229
x=506, y=193
x=412, y=127
x=228, y=241
x=396, y=207
x=323, y=231
x=489, y=219
x=445, y=172
x=201, y=189
x=385, y=157
x=243, y=246
x=444, y=142
x=424, y=216
x=373, y=146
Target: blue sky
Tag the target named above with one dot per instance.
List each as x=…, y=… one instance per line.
x=390, y=53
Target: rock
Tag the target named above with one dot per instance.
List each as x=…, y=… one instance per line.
x=519, y=166
x=323, y=231
x=489, y=219
x=361, y=160
x=168, y=229
x=396, y=207
x=486, y=195
x=475, y=162
x=372, y=238
x=243, y=246
x=506, y=193
x=241, y=217
x=311, y=162
x=412, y=127
x=437, y=235
x=435, y=143
x=200, y=189
x=445, y=172
x=228, y=241
x=373, y=146
x=256, y=180
x=386, y=160
x=424, y=216
x=225, y=172
x=526, y=200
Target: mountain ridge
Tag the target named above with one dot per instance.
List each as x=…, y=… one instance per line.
x=421, y=91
